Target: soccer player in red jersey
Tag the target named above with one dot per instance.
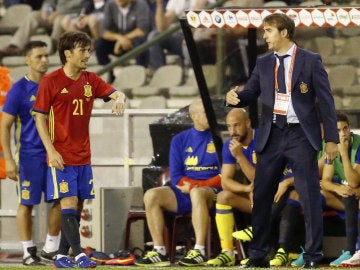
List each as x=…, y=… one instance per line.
x=63, y=108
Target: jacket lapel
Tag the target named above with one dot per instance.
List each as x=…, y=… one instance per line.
x=298, y=65
x=270, y=76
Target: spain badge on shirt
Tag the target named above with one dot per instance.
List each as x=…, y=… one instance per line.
x=87, y=90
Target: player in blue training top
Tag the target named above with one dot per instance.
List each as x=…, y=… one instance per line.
x=195, y=181
x=239, y=149
x=28, y=167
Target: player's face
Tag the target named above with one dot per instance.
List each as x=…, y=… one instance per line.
x=237, y=128
x=38, y=59
x=201, y=120
x=273, y=37
x=122, y=3
x=344, y=130
x=79, y=57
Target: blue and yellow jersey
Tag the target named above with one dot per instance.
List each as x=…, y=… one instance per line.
x=19, y=103
x=250, y=154
x=193, y=154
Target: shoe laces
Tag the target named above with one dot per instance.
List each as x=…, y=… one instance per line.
x=248, y=232
x=193, y=254
x=223, y=257
x=344, y=254
x=302, y=252
x=152, y=253
x=281, y=255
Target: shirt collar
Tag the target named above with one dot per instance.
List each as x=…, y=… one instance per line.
x=289, y=52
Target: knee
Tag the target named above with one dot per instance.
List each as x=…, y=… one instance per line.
x=150, y=197
x=294, y=195
x=56, y=205
x=92, y=21
x=198, y=195
x=70, y=203
x=65, y=22
x=24, y=209
x=224, y=197
x=152, y=34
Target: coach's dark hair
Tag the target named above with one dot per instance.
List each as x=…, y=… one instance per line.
x=33, y=44
x=69, y=40
x=281, y=22
x=342, y=117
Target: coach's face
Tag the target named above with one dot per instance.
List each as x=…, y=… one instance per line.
x=275, y=39
x=123, y=3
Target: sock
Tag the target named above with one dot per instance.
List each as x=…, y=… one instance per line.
x=79, y=256
x=160, y=249
x=25, y=245
x=225, y=224
x=58, y=256
x=63, y=245
x=351, y=219
x=200, y=248
x=51, y=243
x=70, y=230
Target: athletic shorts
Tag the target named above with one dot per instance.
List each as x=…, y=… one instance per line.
x=184, y=202
x=32, y=180
x=72, y=181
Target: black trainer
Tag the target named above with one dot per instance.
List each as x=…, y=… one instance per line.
x=153, y=259
x=193, y=258
x=48, y=256
x=33, y=259
x=256, y=263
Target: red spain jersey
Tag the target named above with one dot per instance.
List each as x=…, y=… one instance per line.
x=68, y=104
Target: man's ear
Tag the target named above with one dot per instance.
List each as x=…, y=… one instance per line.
x=67, y=53
x=284, y=33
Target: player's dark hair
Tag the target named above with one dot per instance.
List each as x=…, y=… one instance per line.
x=342, y=117
x=33, y=44
x=281, y=22
x=69, y=41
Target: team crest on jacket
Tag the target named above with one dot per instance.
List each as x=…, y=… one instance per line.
x=64, y=187
x=303, y=88
x=210, y=148
x=87, y=90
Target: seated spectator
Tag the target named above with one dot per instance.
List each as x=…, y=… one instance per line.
x=164, y=18
x=240, y=149
x=88, y=20
x=342, y=178
x=126, y=25
x=48, y=17
x=195, y=181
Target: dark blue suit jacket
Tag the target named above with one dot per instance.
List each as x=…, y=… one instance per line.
x=310, y=76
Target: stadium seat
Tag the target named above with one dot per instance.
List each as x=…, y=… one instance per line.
x=163, y=78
